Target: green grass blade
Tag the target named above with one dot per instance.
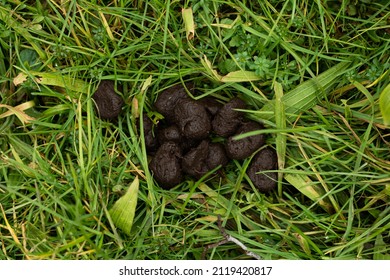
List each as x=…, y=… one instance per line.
x=240, y=76
x=280, y=120
x=384, y=104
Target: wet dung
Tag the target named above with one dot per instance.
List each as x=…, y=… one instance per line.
x=197, y=136
x=167, y=100
x=264, y=161
x=204, y=158
x=108, y=102
x=243, y=148
x=166, y=165
x=151, y=141
x=170, y=133
x=227, y=120
x=192, y=119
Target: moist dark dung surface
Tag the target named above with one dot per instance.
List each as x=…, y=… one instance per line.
x=151, y=141
x=211, y=105
x=227, y=120
x=167, y=100
x=166, y=165
x=263, y=161
x=194, y=162
x=243, y=148
x=216, y=156
x=108, y=102
x=184, y=139
x=203, y=158
x=170, y=133
x=192, y=119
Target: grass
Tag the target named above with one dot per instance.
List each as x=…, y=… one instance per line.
x=62, y=172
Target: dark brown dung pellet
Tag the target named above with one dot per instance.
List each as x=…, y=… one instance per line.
x=151, y=141
x=216, y=156
x=186, y=144
x=227, y=120
x=194, y=162
x=212, y=105
x=170, y=133
x=259, y=170
x=166, y=165
x=203, y=158
x=192, y=119
x=108, y=102
x=243, y=148
x=167, y=100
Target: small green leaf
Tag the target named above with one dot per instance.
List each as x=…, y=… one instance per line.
x=384, y=104
x=123, y=211
x=30, y=58
x=380, y=249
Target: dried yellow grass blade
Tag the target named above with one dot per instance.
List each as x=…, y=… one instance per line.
x=107, y=27
x=18, y=111
x=209, y=69
x=123, y=211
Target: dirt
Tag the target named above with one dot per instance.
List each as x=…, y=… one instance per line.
x=108, y=102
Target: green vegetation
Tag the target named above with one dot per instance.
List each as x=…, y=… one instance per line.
x=320, y=66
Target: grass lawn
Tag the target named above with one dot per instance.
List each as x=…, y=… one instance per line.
x=311, y=71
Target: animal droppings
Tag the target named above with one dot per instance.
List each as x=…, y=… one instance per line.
x=243, y=148
x=262, y=168
x=166, y=165
x=198, y=136
x=227, y=119
x=108, y=102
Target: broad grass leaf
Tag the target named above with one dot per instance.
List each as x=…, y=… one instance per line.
x=123, y=211
x=232, y=77
x=306, y=95
x=384, y=104
x=309, y=189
